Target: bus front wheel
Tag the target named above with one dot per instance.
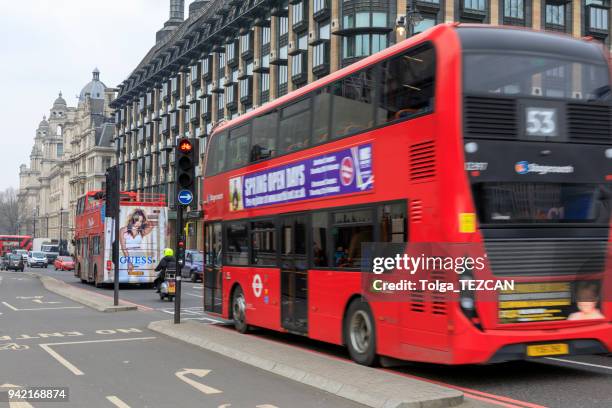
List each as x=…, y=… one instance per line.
x=360, y=333
x=239, y=311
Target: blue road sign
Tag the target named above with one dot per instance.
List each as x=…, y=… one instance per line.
x=185, y=197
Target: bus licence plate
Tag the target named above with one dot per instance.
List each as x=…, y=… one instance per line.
x=136, y=273
x=539, y=350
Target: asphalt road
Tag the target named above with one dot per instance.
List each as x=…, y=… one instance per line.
x=584, y=381
x=144, y=297
x=112, y=359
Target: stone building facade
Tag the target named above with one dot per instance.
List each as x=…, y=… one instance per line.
x=230, y=56
x=72, y=149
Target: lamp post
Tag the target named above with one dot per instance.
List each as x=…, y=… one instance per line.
x=61, y=227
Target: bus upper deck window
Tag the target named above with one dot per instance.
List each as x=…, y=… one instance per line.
x=407, y=85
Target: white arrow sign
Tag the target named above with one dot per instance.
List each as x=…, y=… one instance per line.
x=182, y=375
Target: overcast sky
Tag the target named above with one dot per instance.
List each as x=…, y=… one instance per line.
x=52, y=45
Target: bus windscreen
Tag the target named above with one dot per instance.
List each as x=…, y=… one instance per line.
x=516, y=203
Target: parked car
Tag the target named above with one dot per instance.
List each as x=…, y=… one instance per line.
x=23, y=253
x=64, y=263
x=36, y=258
x=4, y=262
x=15, y=263
x=194, y=265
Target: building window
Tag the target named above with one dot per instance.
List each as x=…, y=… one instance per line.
x=598, y=16
x=363, y=19
x=474, y=5
x=555, y=16
x=362, y=45
x=283, y=26
x=514, y=9
x=60, y=150
x=427, y=22
x=265, y=36
x=320, y=57
x=282, y=80
x=264, y=81
x=320, y=6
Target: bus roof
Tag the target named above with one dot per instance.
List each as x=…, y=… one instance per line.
x=386, y=53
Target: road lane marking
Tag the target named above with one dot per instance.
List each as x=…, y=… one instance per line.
x=266, y=406
x=182, y=375
x=61, y=360
x=10, y=307
x=193, y=294
x=117, y=402
x=40, y=308
x=579, y=363
x=68, y=364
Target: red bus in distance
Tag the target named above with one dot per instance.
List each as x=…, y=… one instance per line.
x=9, y=243
x=489, y=136
x=143, y=221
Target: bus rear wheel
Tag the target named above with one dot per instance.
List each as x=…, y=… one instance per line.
x=239, y=311
x=360, y=333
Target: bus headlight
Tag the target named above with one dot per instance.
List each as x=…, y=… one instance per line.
x=609, y=153
x=466, y=299
x=471, y=147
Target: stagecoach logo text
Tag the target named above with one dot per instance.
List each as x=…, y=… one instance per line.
x=524, y=167
x=214, y=197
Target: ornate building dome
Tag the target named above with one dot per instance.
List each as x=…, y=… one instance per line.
x=95, y=88
x=59, y=102
x=43, y=123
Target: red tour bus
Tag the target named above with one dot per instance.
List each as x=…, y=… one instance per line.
x=9, y=243
x=143, y=220
x=492, y=136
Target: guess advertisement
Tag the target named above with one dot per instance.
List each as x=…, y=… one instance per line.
x=142, y=238
x=343, y=172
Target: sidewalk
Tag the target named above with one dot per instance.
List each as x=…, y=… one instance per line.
x=85, y=297
x=368, y=386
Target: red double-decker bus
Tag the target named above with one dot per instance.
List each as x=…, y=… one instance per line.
x=143, y=221
x=9, y=243
x=495, y=137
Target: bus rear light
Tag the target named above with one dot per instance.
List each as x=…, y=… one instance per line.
x=609, y=177
x=109, y=265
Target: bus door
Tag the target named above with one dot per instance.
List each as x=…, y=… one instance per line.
x=85, y=258
x=212, y=275
x=294, y=273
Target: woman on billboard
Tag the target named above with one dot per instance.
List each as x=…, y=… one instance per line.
x=132, y=235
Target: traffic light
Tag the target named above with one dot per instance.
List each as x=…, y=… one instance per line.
x=112, y=192
x=180, y=255
x=186, y=161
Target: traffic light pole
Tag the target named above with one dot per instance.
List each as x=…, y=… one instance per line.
x=185, y=163
x=116, y=242
x=179, y=263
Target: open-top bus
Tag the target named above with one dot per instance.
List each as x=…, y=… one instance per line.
x=491, y=136
x=143, y=220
